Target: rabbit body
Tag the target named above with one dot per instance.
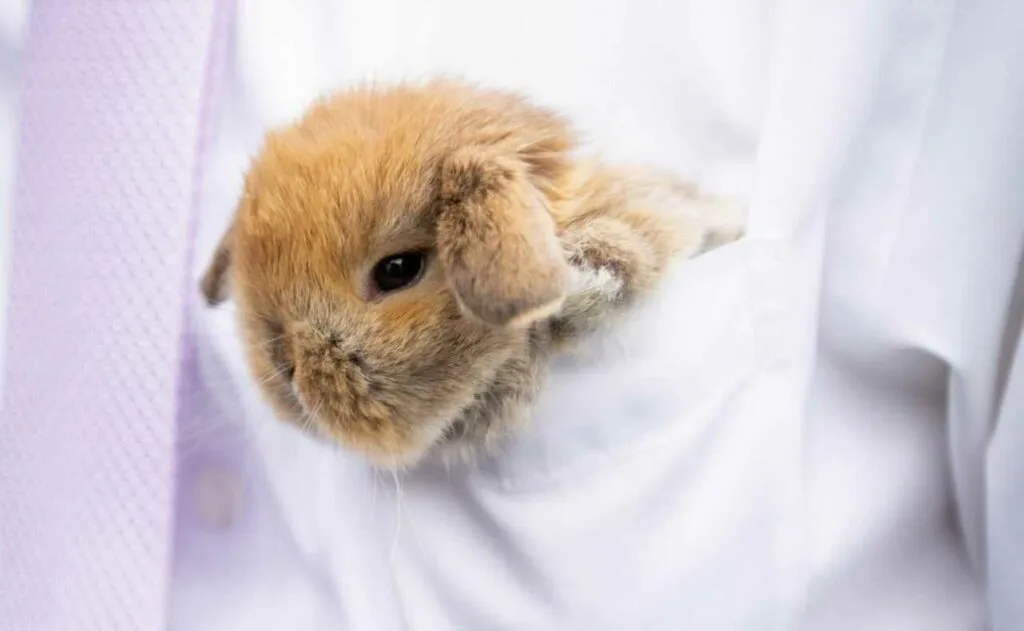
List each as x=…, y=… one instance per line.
x=407, y=259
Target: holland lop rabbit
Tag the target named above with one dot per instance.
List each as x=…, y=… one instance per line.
x=406, y=259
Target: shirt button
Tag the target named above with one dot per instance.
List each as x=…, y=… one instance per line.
x=217, y=495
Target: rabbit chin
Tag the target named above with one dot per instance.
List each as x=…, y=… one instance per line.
x=439, y=442
x=383, y=450
x=455, y=436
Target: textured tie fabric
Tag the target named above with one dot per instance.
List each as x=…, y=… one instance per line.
x=114, y=101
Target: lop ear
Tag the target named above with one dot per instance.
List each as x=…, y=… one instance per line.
x=215, y=285
x=496, y=240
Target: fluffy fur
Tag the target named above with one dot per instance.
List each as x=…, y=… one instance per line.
x=529, y=249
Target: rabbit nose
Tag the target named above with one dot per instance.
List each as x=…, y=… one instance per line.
x=326, y=345
x=335, y=345
x=352, y=357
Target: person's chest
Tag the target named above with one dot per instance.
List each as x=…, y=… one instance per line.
x=659, y=485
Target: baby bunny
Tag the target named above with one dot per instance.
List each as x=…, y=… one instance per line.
x=406, y=259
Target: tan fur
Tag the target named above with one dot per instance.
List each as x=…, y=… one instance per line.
x=529, y=248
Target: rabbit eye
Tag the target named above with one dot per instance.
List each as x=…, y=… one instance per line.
x=398, y=271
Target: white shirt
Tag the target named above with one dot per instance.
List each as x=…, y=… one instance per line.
x=817, y=428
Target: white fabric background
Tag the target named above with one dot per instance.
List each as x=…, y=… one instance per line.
x=885, y=133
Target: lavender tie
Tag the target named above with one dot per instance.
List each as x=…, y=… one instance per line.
x=113, y=106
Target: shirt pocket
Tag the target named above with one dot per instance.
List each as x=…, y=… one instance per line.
x=656, y=488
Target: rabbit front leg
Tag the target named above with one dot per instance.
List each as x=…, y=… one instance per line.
x=611, y=265
x=621, y=256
